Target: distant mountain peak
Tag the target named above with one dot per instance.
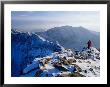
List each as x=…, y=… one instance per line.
x=72, y=37
x=68, y=26
x=81, y=27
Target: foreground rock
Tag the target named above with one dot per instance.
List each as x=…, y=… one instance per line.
x=65, y=64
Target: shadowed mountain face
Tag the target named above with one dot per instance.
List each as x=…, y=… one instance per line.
x=72, y=37
x=25, y=47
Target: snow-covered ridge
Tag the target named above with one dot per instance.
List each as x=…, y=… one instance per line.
x=65, y=64
x=41, y=38
x=34, y=56
x=26, y=46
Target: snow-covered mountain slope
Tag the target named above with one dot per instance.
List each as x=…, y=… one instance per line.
x=89, y=61
x=91, y=53
x=27, y=46
x=90, y=68
x=72, y=37
x=53, y=65
x=34, y=56
x=65, y=64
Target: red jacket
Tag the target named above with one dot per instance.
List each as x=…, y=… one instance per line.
x=89, y=43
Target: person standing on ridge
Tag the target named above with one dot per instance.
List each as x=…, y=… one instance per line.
x=89, y=44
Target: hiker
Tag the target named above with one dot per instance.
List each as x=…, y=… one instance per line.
x=89, y=44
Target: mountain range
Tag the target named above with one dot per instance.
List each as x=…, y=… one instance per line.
x=72, y=37
x=26, y=46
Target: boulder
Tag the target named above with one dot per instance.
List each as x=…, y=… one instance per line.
x=59, y=67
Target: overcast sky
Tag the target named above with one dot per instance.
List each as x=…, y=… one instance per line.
x=38, y=20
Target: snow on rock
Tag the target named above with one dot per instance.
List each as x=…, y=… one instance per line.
x=25, y=47
x=32, y=55
x=51, y=70
x=30, y=67
x=89, y=61
x=41, y=38
x=58, y=64
x=70, y=68
x=51, y=65
x=94, y=50
x=62, y=64
x=90, y=68
x=91, y=53
x=69, y=53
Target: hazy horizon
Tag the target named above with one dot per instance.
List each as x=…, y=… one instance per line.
x=44, y=20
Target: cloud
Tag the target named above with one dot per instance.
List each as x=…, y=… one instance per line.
x=48, y=19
